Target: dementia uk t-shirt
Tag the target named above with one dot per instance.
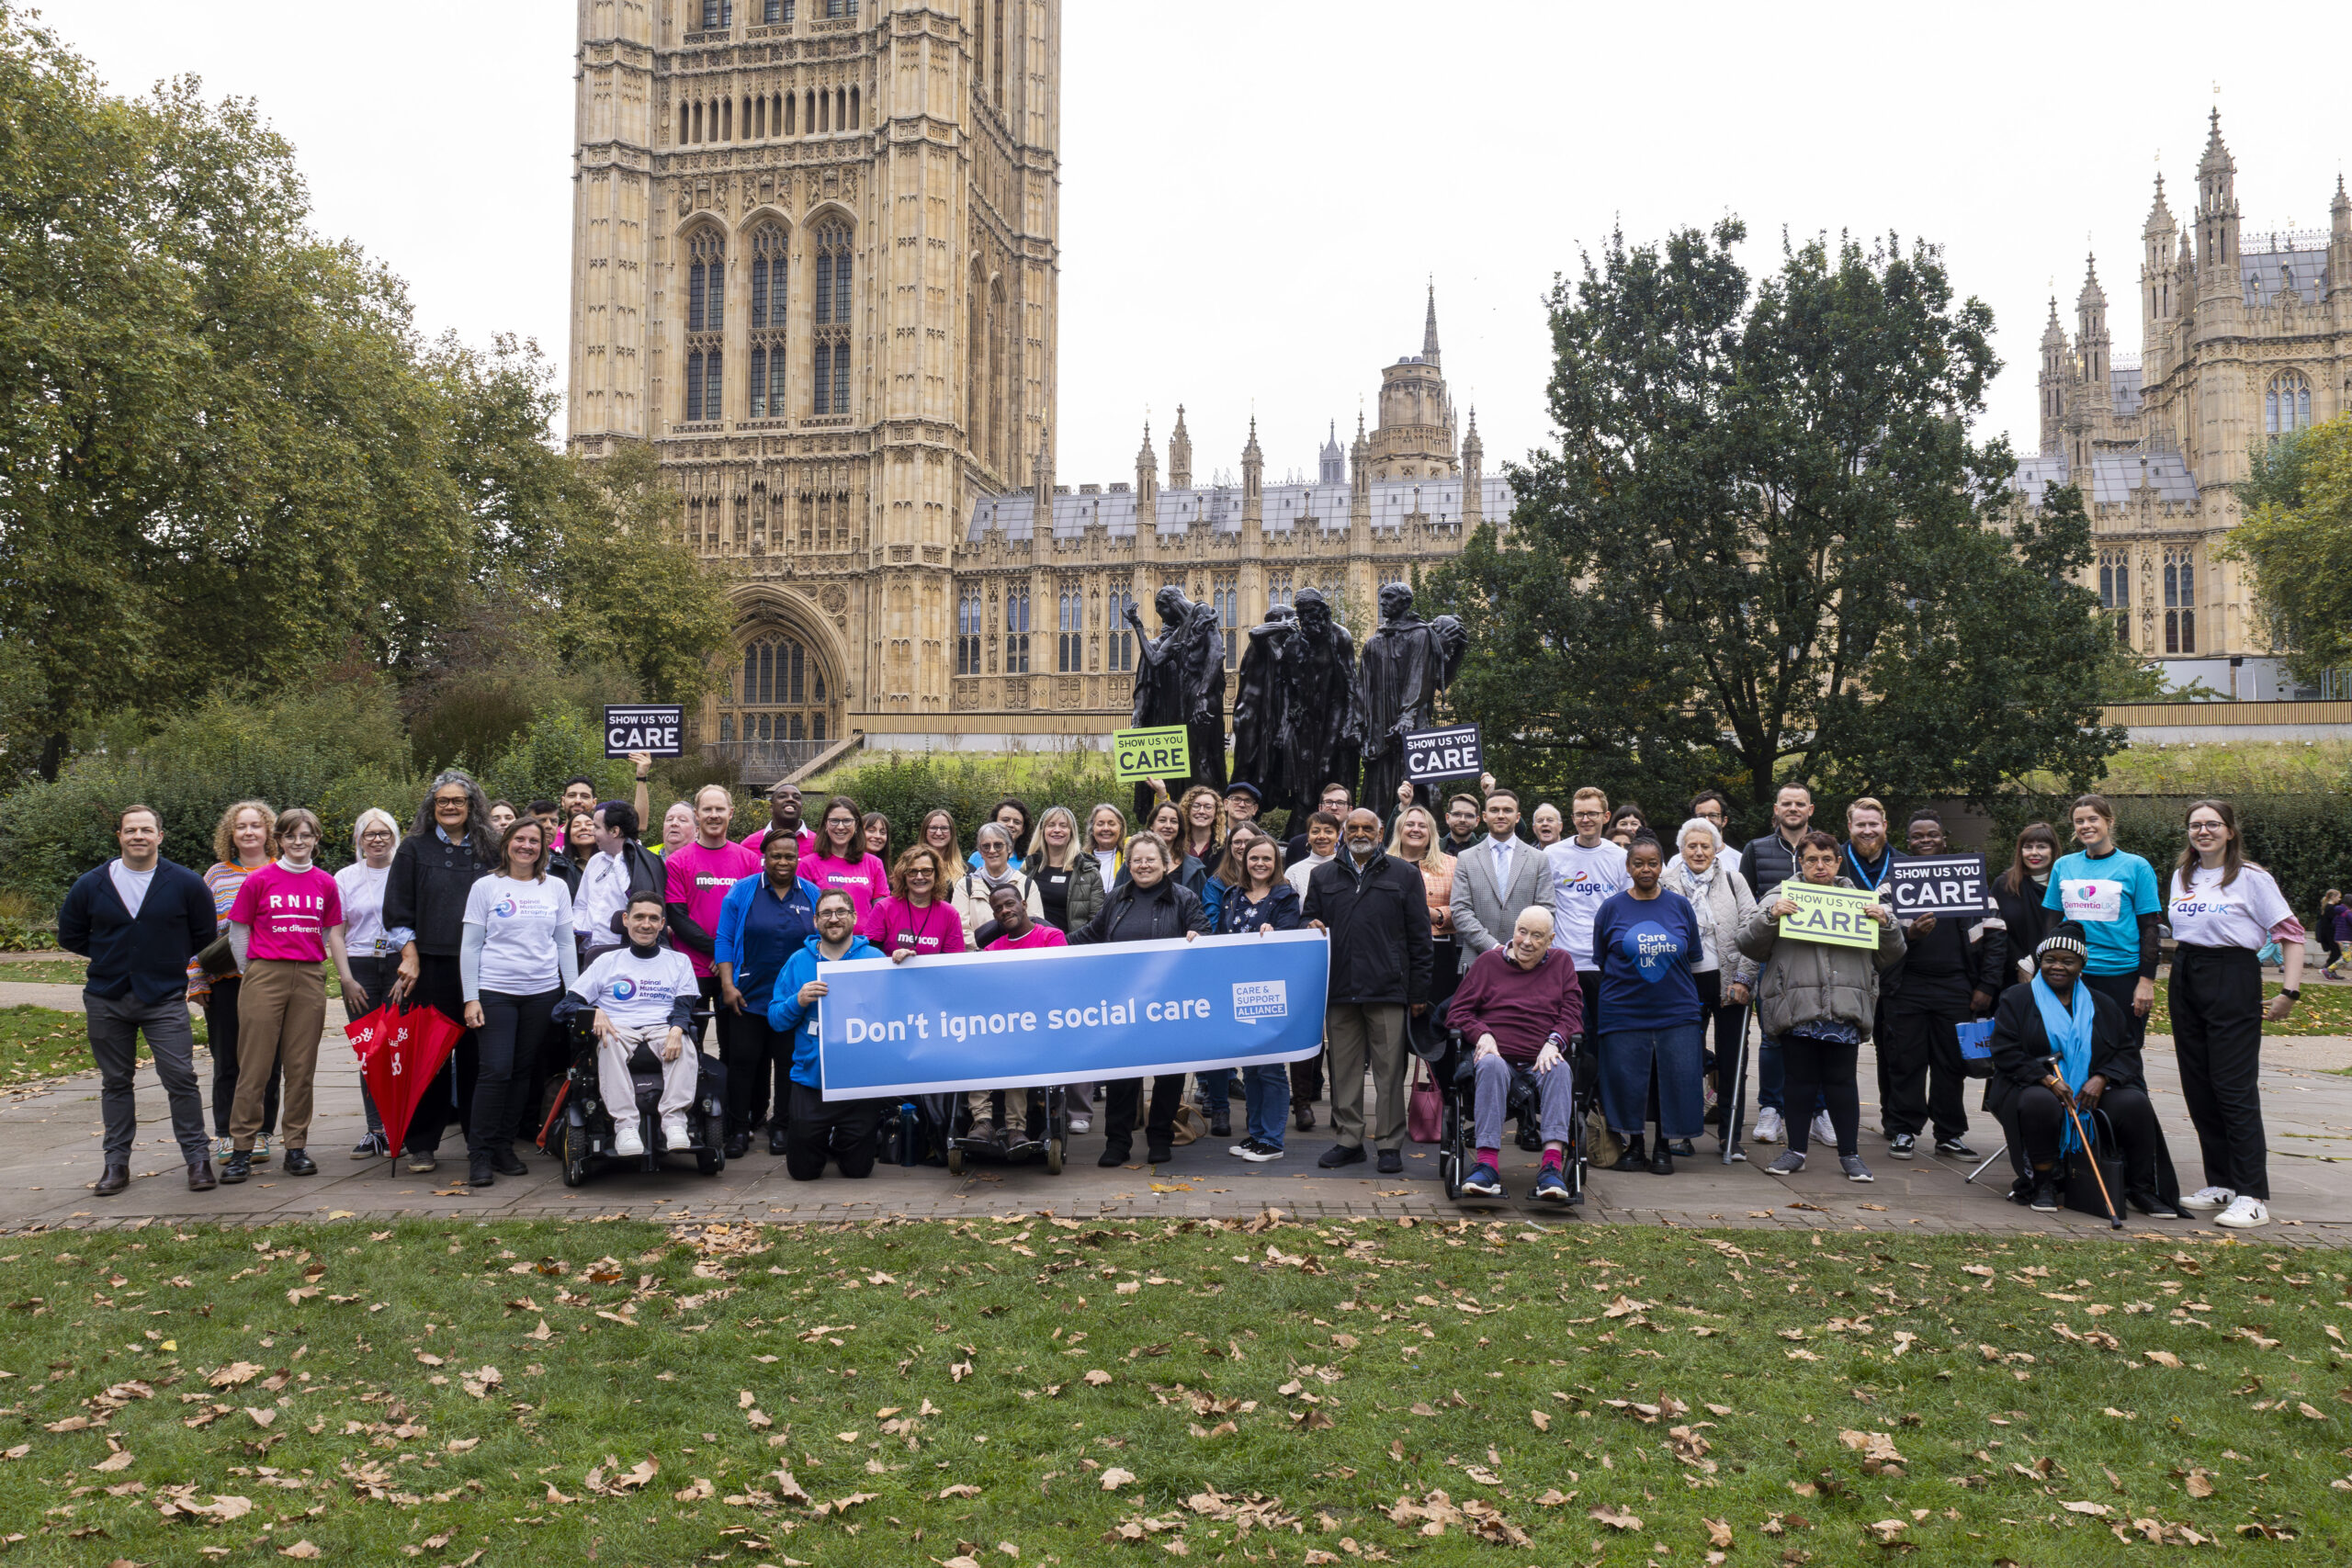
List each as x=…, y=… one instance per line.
x=2105, y=896
x=1644, y=948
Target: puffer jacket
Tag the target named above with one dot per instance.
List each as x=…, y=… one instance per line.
x=1806, y=980
x=1085, y=885
x=1723, y=912
x=1167, y=909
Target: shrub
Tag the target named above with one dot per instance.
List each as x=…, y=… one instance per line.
x=556, y=745
x=2305, y=841
x=904, y=787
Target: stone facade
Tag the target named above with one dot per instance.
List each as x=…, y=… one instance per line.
x=2240, y=343
x=816, y=266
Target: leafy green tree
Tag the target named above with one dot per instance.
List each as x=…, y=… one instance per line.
x=2296, y=537
x=1765, y=548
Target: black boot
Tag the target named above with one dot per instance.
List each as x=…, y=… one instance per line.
x=299, y=1163
x=506, y=1162
x=1632, y=1158
x=776, y=1139
x=477, y=1172
x=1113, y=1154
x=240, y=1166
x=117, y=1177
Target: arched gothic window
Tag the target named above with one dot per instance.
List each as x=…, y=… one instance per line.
x=776, y=11
x=967, y=633
x=2115, y=591
x=1228, y=601
x=1070, y=650
x=2180, y=601
x=706, y=316
x=1119, y=650
x=1016, y=631
x=780, y=694
x=717, y=14
x=2287, y=405
x=829, y=316
x=769, y=249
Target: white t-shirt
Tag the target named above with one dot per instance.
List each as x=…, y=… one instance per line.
x=131, y=885
x=2206, y=914
x=1582, y=879
x=638, y=993
x=362, y=887
x=521, y=922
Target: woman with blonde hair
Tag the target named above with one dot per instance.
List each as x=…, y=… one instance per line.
x=1203, y=834
x=375, y=964
x=243, y=841
x=1413, y=837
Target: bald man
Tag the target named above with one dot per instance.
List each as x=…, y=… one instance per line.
x=1520, y=1006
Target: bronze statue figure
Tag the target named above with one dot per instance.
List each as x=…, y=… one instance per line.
x=1180, y=679
x=1408, y=662
x=1321, y=720
x=1258, y=706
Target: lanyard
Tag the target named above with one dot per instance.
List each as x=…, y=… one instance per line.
x=1866, y=879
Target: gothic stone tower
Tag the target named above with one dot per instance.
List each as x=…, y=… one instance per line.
x=815, y=266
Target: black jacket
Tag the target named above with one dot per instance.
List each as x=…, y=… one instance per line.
x=1767, y=862
x=427, y=891
x=1379, y=924
x=2028, y=921
x=145, y=954
x=1940, y=969
x=2020, y=1041
x=1167, y=909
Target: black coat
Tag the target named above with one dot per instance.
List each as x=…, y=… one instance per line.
x=1167, y=909
x=2020, y=1041
x=2028, y=919
x=426, y=890
x=1379, y=924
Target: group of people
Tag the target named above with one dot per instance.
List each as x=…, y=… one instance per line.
x=1654, y=953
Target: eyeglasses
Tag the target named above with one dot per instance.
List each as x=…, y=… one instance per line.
x=2206, y=828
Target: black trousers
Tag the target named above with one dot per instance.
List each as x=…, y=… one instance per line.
x=2041, y=1123
x=842, y=1129
x=375, y=976
x=1589, y=979
x=1127, y=1097
x=2216, y=1035
x=2118, y=988
x=514, y=1031
x=1445, y=971
x=450, y=1096
x=751, y=1051
x=1827, y=1069
x=220, y=1036
x=1729, y=1019
x=709, y=986
x=1920, y=1062
x=1307, y=1080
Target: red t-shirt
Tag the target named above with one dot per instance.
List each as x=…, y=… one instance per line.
x=289, y=911
x=1040, y=935
x=699, y=879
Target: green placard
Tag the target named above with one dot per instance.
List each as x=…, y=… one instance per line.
x=1140, y=754
x=1831, y=915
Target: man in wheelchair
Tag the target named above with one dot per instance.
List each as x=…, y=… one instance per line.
x=644, y=994
x=1518, y=1006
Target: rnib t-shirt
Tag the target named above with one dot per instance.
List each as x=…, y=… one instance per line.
x=289, y=911
x=2105, y=897
x=638, y=993
x=1644, y=948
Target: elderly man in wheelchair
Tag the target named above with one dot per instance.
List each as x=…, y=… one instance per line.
x=1519, y=1007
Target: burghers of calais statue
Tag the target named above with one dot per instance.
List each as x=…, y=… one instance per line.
x=1407, y=661
x=1317, y=711
x=1180, y=679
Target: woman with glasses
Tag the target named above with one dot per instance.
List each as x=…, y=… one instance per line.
x=914, y=920
x=245, y=840
x=374, y=963
x=2223, y=910
x=449, y=848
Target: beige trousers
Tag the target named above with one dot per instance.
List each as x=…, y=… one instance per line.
x=281, y=1011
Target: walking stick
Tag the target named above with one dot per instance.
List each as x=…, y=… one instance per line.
x=1733, y=1112
x=2090, y=1155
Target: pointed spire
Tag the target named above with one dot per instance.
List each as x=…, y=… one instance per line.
x=2052, y=333
x=2217, y=154
x=1428, y=327
x=1471, y=446
x=2159, y=215
x=2092, y=293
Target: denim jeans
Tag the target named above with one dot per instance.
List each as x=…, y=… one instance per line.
x=1266, y=1096
x=1626, y=1056
x=1216, y=1092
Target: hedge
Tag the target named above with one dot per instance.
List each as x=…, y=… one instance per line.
x=2305, y=841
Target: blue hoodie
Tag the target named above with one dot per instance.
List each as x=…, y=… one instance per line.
x=786, y=1016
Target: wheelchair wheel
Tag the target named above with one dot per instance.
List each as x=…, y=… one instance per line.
x=955, y=1159
x=571, y=1149
x=710, y=1162
x=1054, y=1150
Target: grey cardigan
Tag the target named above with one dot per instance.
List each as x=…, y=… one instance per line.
x=1808, y=980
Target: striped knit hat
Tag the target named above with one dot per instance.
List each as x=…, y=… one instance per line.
x=2068, y=937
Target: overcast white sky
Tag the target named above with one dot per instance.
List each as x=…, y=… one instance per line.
x=1254, y=191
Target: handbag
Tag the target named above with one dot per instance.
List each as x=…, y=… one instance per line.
x=1425, y=1110
x=1188, y=1126
x=2082, y=1186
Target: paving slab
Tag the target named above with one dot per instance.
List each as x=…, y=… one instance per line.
x=50, y=1157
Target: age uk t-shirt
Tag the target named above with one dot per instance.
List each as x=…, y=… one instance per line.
x=290, y=912
x=2105, y=897
x=2206, y=914
x=1582, y=879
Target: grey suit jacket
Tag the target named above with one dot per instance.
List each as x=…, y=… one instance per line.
x=1485, y=913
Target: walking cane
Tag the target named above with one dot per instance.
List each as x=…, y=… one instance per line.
x=1732, y=1108
x=2090, y=1152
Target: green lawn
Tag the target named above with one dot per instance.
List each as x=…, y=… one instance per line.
x=45, y=971
x=2323, y=1010
x=912, y=1394
x=42, y=1042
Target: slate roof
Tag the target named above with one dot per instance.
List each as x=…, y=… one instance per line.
x=1180, y=511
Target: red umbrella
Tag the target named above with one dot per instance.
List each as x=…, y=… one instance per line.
x=399, y=1054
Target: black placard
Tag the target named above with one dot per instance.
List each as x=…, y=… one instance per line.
x=1451, y=753
x=1938, y=885
x=660, y=731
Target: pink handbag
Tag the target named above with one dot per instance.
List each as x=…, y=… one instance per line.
x=1425, y=1108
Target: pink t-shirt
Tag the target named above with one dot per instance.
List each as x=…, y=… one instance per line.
x=757, y=840
x=865, y=880
x=699, y=879
x=1040, y=935
x=893, y=923
x=289, y=911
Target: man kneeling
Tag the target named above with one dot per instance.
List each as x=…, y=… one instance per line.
x=1520, y=1005
x=643, y=992
x=817, y=1127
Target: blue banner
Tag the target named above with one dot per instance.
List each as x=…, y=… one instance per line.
x=1059, y=1015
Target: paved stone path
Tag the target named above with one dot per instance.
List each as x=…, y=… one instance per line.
x=50, y=1156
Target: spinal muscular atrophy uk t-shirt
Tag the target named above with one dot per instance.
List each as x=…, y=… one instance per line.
x=2206, y=914
x=636, y=993
x=521, y=923
x=2105, y=897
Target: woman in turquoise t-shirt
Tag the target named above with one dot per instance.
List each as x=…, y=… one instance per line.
x=2113, y=894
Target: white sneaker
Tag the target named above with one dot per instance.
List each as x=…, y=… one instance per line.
x=2243, y=1213
x=626, y=1142
x=674, y=1131
x=1768, y=1127
x=2208, y=1197
x=1080, y=1125
x=1824, y=1132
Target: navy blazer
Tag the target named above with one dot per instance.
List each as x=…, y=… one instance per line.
x=147, y=955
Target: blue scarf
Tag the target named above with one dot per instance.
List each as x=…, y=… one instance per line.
x=2070, y=1038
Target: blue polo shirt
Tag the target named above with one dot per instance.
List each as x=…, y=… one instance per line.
x=759, y=932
